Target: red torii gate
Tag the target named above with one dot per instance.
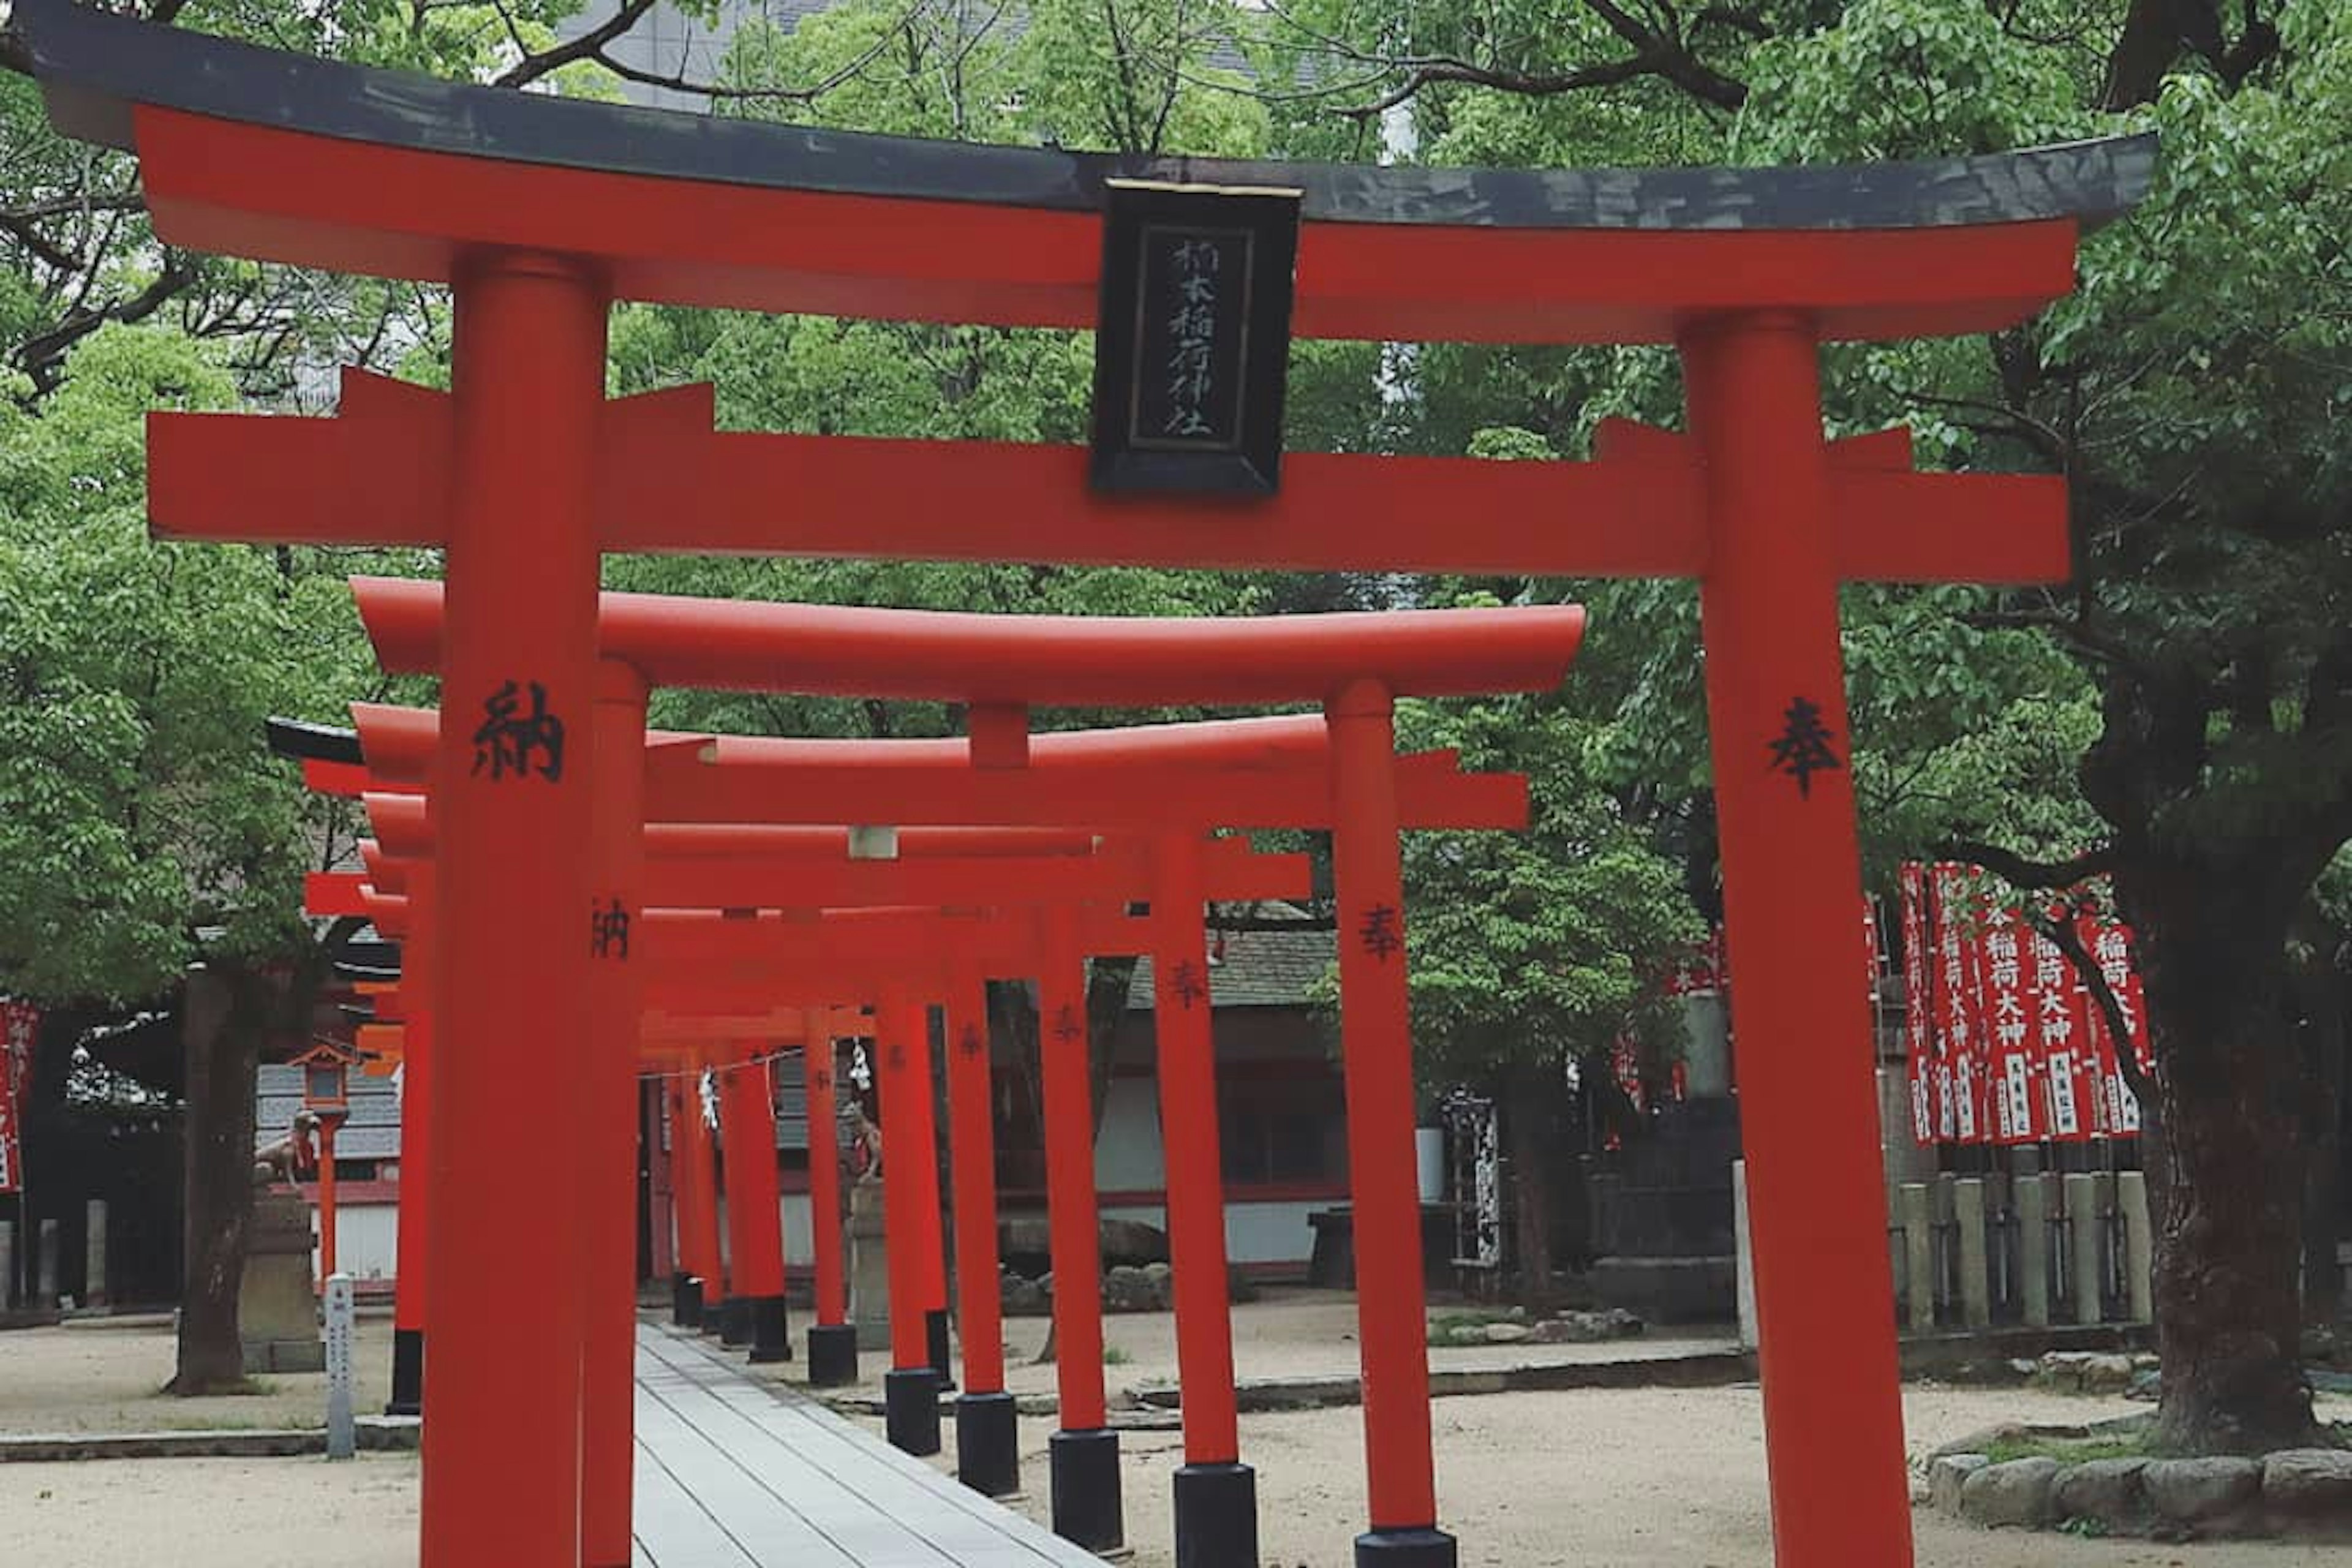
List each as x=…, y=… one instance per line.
x=554, y=208
x=1001, y=665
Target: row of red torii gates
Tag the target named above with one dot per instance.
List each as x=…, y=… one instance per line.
x=540, y=213
x=958, y=908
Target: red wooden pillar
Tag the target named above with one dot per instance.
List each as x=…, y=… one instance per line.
x=653, y=1110
x=608, y=1169
x=701, y=1179
x=418, y=1008
x=1215, y=1493
x=755, y=1221
x=684, y=1107
x=514, y=772
x=327, y=1125
x=1083, y=1457
x=1791, y=874
x=931, y=1246
x=911, y=1389
x=832, y=1339
x=988, y=1446
x=1376, y=1042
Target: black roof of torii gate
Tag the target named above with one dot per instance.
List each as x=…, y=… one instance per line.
x=95, y=67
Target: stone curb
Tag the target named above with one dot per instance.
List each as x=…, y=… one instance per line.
x=1702, y=1369
x=2303, y=1493
x=375, y=1433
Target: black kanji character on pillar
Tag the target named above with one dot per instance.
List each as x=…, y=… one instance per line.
x=1189, y=991
x=507, y=739
x=1382, y=933
x=1066, y=1026
x=898, y=1056
x=608, y=931
x=968, y=1041
x=1803, y=748
x=823, y=1079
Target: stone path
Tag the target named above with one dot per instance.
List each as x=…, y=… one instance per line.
x=733, y=1473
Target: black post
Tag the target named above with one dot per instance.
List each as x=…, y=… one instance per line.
x=832, y=1355
x=910, y=1410
x=407, y=1373
x=988, y=1444
x=1216, y=1516
x=1089, y=1510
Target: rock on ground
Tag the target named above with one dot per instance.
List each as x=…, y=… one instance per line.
x=2104, y=1490
x=1947, y=1474
x=2309, y=1483
x=2193, y=1492
x=2014, y=1492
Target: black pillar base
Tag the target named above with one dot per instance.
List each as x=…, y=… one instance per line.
x=935, y=1331
x=407, y=1373
x=772, y=1330
x=685, y=1301
x=1430, y=1548
x=1088, y=1509
x=988, y=1444
x=833, y=1355
x=1216, y=1517
x=910, y=1410
x=714, y=1313
x=735, y=1321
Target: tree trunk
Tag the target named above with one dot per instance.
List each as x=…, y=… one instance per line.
x=1531, y=1134
x=2321, y=988
x=2229, y=1085
x=221, y=1036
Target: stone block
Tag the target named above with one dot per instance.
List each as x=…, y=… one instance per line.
x=1507, y=1333
x=2195, y=1491
x=2106, y=1373
x=2309, y=1483
x=2106, y=1489
x=1947, y=1474
x=2016, y=1493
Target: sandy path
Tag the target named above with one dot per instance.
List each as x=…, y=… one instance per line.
x=1604, y=1478
x=1597, y=1478
x=90, y=1377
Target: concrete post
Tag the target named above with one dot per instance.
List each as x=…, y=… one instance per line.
x=2139, y=1245
x=1746, y=1265
x=341, y=1436
x=2083, y=1235
x=47, y=1292
x=1918, y=1256
x=7, y=1264
x=93, y=1291
x=2033, y=1249
x=1976, y=1282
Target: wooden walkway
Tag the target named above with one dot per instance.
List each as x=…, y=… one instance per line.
x=734, y=1473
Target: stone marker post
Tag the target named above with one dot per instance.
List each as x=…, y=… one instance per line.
x=7, y=1264
x=341, y=1439
x=2082, y=1233
x=93, y=1291
x=2139, y=1246
x=1976, y=1280
x=2033, y=1249
x=1746, y=1275
x=1919, y=1256
x=47, y=1293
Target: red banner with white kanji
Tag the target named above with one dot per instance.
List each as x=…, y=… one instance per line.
x=19, y=1023
x=2005, y=1043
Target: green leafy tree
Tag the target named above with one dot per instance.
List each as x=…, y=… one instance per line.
x=2195, y=678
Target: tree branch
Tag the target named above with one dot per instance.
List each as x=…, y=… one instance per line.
x=589, y=44
x=2061, y=935
x=2019, y=872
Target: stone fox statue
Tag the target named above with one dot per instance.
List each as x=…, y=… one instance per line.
x=292, y=1157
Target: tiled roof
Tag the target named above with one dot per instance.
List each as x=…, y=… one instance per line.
x=372, y=1134
x=1259, y=968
